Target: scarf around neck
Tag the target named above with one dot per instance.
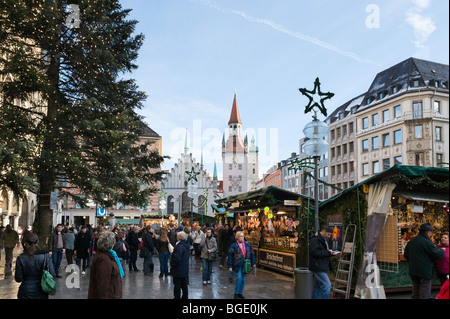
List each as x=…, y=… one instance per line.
x=116, y=258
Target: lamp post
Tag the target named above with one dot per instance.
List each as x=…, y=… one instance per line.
x=316, y=131
x=316, y=146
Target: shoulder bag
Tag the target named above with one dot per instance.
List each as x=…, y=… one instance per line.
x=47, y=282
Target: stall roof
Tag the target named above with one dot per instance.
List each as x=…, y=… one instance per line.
x=264, y=193
x=423, y=196
x=436, y=174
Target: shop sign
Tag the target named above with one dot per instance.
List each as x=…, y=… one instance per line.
x=289, y=202
x=278, y=261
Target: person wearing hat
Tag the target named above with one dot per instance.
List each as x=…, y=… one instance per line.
x=320, y=263
x=421, y=254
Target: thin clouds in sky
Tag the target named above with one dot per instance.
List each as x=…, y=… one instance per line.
x=291, y=33
x=423, y=26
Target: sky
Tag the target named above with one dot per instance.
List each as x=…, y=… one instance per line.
x=198, y=53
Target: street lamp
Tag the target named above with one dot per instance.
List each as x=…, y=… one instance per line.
x=316, y=146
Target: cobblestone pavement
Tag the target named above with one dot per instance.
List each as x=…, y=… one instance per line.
x=266, y=285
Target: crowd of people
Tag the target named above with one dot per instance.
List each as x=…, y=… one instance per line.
x=107, y=252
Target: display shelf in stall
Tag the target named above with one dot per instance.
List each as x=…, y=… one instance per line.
x=420, y=196
x=269, y=218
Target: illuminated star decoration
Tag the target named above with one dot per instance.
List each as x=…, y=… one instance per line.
x=310, y=96
x=162, y=194
x=192, y=175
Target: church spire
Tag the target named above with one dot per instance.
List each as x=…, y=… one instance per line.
x=186, y=147
x=235, y=117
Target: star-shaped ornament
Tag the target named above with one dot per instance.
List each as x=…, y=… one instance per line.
x=310, y=95
x=192, y=175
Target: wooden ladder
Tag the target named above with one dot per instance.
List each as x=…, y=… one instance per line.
x=343, y=280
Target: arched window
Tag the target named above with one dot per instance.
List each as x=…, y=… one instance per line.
x=170, y=205
x=201, y=210
x=185, y=202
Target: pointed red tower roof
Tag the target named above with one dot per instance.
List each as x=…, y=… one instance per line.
x=235, y=117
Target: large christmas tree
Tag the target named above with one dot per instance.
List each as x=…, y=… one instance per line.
x=68, y=111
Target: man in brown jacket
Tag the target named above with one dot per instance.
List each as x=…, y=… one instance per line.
x=57, y=247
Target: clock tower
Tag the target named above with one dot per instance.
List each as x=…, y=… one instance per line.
x=235, y=155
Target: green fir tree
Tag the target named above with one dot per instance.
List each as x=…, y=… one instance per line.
x=68, y=118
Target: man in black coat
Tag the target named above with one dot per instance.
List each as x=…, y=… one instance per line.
x=81, y=247
x=179, y=266
x=320, y=263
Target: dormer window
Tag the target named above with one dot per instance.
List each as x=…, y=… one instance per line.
x=415, y=83
x=394, y=89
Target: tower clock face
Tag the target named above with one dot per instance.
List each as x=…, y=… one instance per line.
x=235, y=182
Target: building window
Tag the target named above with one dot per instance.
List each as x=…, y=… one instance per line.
x=420, y=159
x=439, y=158
x=386, y=140
x=240, y=167
x=350, y=147
x=375, y=167
x=385, y=116
x=415, y=83
x=438, y=133
x=365, y=123
x=375, y=119
x=375, y=142
x=418, y=131
x=397, y=111
x=230, y=166
x=417, y=110
x=350, y=128
x=394, y=89
x=398, y=160
x=397, y=137
x=365, y=145
x=386, y=163
x=365, y=169
x=437, y=106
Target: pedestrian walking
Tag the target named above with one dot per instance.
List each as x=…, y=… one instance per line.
x=57, y=247
x=147, y=250
x=105, y=278
x=2, y=228
x=81, y=248
x=133, y=246
x=225, y=235
x=70, y=245
x=9, y=240
x=208, y=254
x=162, y=246
x=29, y=269
x=442, y=264
x=179, y=266
x=197, y=238
x=421, y=254
x=241, y=260
x=121, y=249
x=320, y=262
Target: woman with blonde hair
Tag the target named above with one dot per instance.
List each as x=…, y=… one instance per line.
x=240, y=253
x=162, y=246
x=105, y=280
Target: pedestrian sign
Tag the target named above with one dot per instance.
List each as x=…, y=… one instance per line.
x=101, y=211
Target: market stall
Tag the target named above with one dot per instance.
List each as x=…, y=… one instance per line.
x=156, y=220
x=269, y=218
x=388, y=209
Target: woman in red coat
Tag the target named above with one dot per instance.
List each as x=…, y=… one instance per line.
x=105, y=280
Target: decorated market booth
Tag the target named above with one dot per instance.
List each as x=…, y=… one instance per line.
x=388, y=209
x=270, y=219
x=157, y=220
